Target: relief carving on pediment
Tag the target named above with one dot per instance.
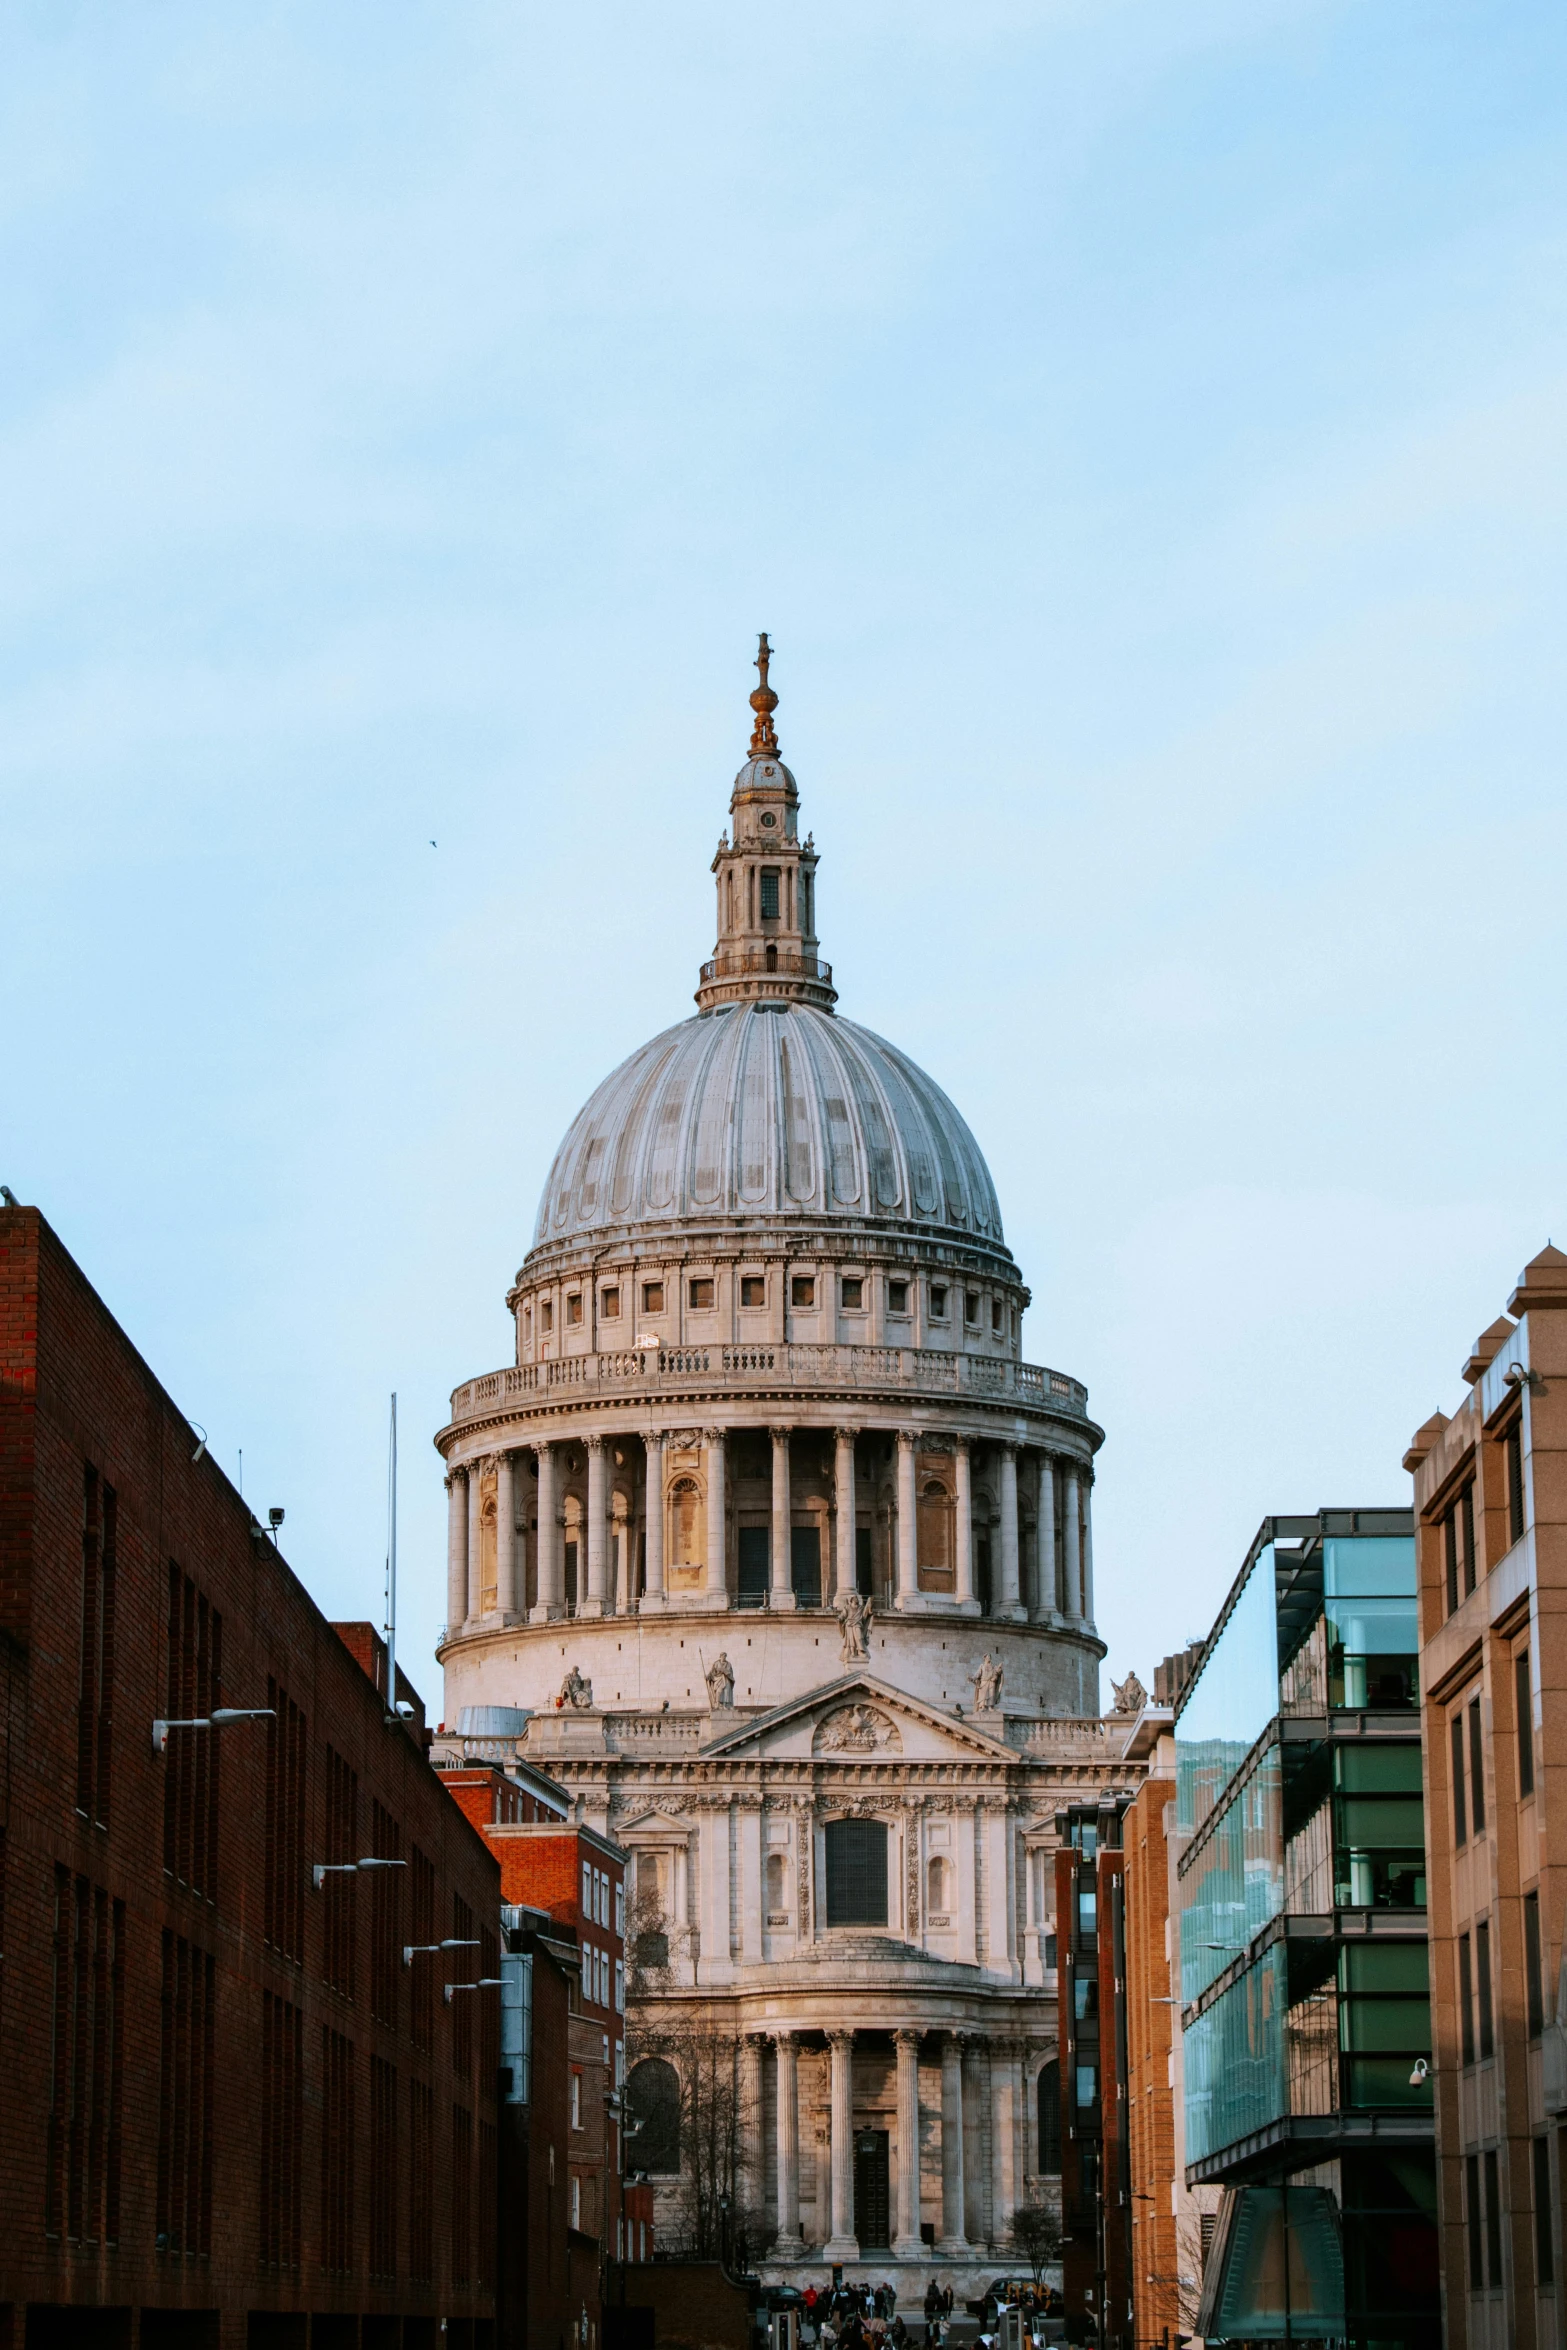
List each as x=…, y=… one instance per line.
x=857, y=1729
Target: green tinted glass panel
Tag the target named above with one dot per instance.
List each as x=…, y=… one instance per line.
x=1233, y=1882
x=1232, y=1700
x=1375, y=1627
x=1384, y=2080
x=1369, y=1563
x=1236, y=2074
x=1385, y=1823
x=1385, y=1966
x=1387, y=2023
x=1374, y=1768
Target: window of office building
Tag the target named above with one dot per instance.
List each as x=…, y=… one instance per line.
x=1512, y=1445
x=1523, y=1698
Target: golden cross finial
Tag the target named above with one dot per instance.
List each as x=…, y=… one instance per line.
x=764, y=742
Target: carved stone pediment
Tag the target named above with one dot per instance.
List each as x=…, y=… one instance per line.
x=857, y=1729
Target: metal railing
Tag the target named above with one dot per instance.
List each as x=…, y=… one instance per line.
x=664, y=1369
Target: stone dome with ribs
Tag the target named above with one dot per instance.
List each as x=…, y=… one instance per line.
x=769, y=1110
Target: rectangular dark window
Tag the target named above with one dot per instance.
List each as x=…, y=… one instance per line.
x=191, y=1761
x=609, y=1305
x=971, y=1305
x=802, y=1290
x=1450, y=1556
x=383, y=2167
x=938, y=1300
x=282, y=2129
x=546, y=1313
x=652, y=1297
x=185, y=2101
x=1544, y=2255
x=1456, y=1735
x=1050, y=1953
x=386, y=1918
x=421, y=2182
x=853, y=1291
x=753, y=1289
x=95, y=1686
x=856, y=1873
x=284, y=1892
x=462, y=2194
x=1483, y=1988
x=463, y=1971
x=337, y=2150
x=769, y=893
x=897, y=1297
x=424, y=1973
x=1466, y=1998
x=1493, y=2221
x=574, y=1306
x=1523, y=1699
x=83, y=2138
x=340, y=1894
x=1475, y=2231
x=1476, y=1768
x=1466, y=1524
x=488, y=2214
x=995, y=1313
x=701, y=1295
x=1512, y=1445
x=1534, y=1976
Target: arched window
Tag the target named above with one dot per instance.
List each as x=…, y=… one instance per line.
x=934, y=1522
x=653, y=2095
x=856, y=1873
x=685, y=1513
x=1050, y=2119
x=938, y=1887
x=777, y=1884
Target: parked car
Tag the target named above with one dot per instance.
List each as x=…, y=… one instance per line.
x=1004, y=2289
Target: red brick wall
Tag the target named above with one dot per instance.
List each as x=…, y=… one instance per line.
x=74, y=1392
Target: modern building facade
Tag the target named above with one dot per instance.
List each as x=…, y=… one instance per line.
x=787, y=1555
x=1491, y=1506
x=1306, y=2040
x=233, y=2115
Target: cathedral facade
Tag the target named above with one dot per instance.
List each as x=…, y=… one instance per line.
x=770, y=1546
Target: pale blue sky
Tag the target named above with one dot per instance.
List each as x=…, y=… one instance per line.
x=1142, y=429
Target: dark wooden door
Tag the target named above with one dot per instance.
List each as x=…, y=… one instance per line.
x=872, y=2198
x=754, y=1550
x=805, y=1564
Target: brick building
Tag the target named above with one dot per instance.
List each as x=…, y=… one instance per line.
x=248, y=2122
x=1491, y=1535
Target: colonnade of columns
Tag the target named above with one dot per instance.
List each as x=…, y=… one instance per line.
x=963, y=2224
x=1061, y=1586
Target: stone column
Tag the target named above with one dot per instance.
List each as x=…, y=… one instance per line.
x=551, y=1601
x=973, y=2167
x=781, y=1595
x=1070, y=1545
x=456, y=1549
x=908, y=1523
x=1006, y=2178
x=843, y=2244
x=907, y=2243
x=844, y=1507
x=963, y=1524
x=654, y=1596
x=506, y=1537
x=952, y=2244
x=717, y=1575
x=752, y=2168
x=788, y=2245
x=475, y=1540
x=1047, y=1596
x=591, y=1601
x=749, y=1824
x=1088, y=1549
x=1010, y=1609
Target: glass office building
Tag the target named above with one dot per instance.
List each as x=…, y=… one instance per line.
x=1302, y=1909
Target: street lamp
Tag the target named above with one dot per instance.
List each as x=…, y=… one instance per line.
x=485, y=1983
x=413, y=1950
x=348, y=1868
x=220, y=1718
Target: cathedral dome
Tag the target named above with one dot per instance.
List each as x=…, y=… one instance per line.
x=768, y=1108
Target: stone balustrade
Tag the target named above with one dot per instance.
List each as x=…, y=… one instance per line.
x=738, y=1369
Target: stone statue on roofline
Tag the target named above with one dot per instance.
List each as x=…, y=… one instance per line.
x=1130, y=1695
x=987, y=1685
x=854, y=1614
x=576, y=1691
x=720, y=1683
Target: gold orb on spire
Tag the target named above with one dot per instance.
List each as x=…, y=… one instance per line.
x=764, y=742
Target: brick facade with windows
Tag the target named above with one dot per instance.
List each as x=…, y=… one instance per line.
x=247, y=2116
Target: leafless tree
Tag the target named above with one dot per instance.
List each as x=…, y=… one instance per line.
x=713, y=2204
x=1036, y=2232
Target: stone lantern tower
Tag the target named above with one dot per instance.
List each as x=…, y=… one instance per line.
x=771, y=1546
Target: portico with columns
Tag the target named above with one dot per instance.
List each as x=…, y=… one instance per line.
x=779, y=1550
